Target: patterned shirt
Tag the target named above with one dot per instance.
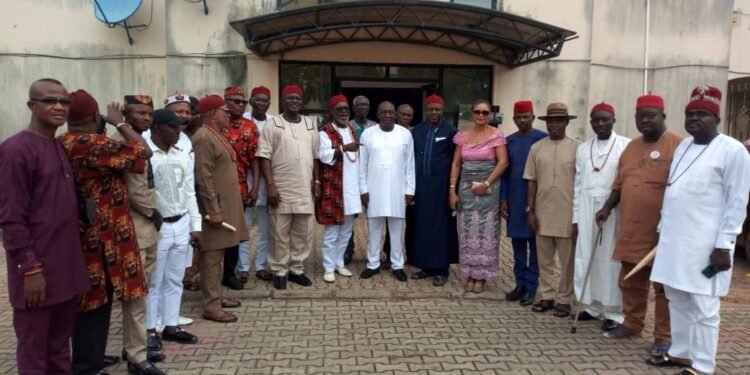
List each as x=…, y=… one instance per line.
x=242, y=135
x=99, y=164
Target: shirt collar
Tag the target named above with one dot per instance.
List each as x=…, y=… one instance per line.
x=155, y=148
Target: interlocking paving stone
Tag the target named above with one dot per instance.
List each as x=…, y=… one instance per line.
x=384, y=326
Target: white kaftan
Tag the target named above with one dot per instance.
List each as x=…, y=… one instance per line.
x=590, y=190
x=386, y=170
x=704, y=209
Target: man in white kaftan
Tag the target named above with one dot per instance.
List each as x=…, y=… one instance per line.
x=704, y=208
x=387, y=183
x=596, y=169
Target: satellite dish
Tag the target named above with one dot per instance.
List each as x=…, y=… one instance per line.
x=117, y=12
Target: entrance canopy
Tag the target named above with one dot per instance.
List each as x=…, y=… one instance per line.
x=496, y=36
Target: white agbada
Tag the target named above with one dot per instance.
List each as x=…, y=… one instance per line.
x=590, y=191
x=386, y=170
x=703, y=209
x=352, y=200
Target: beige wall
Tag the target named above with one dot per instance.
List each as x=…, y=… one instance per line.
x=185, y=50
x=606, y=62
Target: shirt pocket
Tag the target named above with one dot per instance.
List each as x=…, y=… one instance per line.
x=694, y=187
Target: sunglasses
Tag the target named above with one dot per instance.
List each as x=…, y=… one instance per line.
x=237, y=101
x=482, y=113
x=52, y=101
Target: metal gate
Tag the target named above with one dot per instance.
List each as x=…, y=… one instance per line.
x=738, y=109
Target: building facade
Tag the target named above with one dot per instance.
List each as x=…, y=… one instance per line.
x=616, y=51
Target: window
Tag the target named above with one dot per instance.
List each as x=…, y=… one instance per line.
x=315, y=80
x=461, y=87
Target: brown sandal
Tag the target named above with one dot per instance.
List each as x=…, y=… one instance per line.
x=230, y=303
x=224, y=317
x=562, y=310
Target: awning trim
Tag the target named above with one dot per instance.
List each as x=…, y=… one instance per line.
x=497, y=36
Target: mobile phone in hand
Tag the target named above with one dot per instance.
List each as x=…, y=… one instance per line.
x=709, y=272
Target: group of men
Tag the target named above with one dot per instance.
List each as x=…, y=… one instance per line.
x=118, y=216
x=608, y=206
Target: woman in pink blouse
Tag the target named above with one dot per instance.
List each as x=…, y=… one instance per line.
x=480, y=159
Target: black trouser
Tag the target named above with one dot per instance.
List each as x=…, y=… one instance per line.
x=231, y=257
x=90, y=336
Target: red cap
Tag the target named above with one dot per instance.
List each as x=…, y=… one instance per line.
x=291, y=89
x=705, y=97
x=210, y=102
x=336, y=99
x=234, y=90
x=260, y=90
x=649, y=100
x=523, y=106
x=603, y=107
x=434, y=99
x=82, y=105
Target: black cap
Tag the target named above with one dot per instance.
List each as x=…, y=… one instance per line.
x=167, y=117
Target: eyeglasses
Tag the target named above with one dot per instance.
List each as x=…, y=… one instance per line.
x=52, y=101
x=236, y=101
x=481, y=113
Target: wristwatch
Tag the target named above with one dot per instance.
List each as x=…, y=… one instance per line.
x=529, y=209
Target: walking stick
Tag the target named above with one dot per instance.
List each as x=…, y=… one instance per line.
x=597, y=243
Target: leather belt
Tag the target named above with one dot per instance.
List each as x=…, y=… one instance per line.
x=173, y=219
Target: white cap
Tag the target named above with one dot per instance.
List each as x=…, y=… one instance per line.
x=177, y=97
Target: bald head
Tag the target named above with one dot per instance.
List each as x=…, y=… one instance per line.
x=38, y=87
x=49, y=103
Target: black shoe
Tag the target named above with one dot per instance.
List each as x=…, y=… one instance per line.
x=279, y=282
x=515, y=294
x=584, y=316
x=232, y=282
x=400, y=275
x=151, y=356
x=300, y=279
x=111, y=360
x=144, y=368
x=180, y=336
x=609, y=325
x=264, y=275
x=348, y=255
x=527, y=298
x=368, y=273
x=153, y=341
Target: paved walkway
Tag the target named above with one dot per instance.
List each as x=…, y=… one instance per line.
x=384, y=326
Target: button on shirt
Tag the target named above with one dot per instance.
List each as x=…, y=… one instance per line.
x=174, y=180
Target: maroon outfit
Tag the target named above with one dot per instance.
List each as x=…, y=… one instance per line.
x=39, y=219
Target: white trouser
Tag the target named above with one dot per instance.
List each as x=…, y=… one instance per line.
x=261, y=259
x=376, y=231
x=165, y=290
x=596, y=309
x=695, y=327
x=335, y=240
